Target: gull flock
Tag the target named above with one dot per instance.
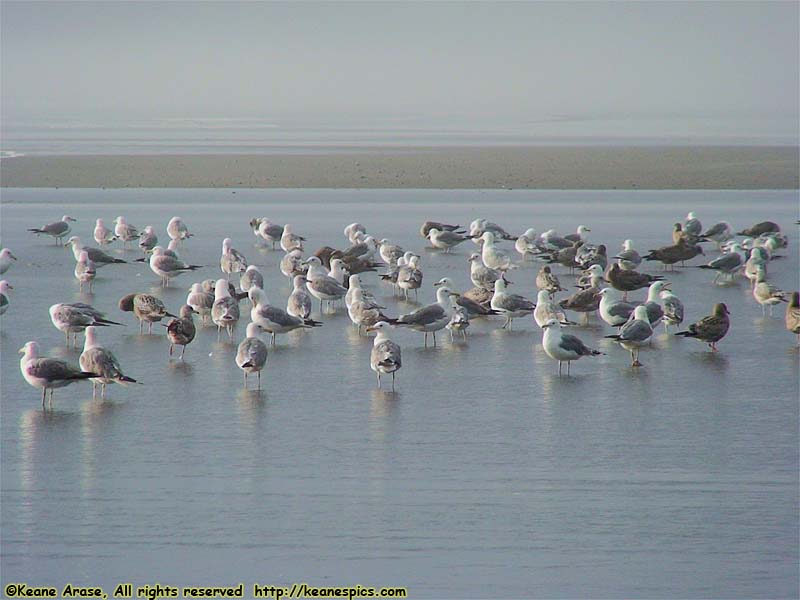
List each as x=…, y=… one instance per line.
x=331, y=277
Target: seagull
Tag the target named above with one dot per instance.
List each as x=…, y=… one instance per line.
x=634, y=334
x=563, y=347
x=692, y=225
x=428, y=225
x=146, y=308
x=430, y=318
x=459, y=318
x=628, y=281
x=338, y=271
x=99, y=360
x=553, y=241
x=390, y=252
x=290, y=240
x=267, y=230
x=480, y=226
x=321, y=285
x=566, y=256
x=546, y=310
x=473, y=308
x=97, y=256
x=85, y=270
x=590, y=275
x=680, y=252
x=292, y=265
x=727, y=264
x=177, y=230
x=445, y=240
x=793, y=315
x=579, y=235
x=766, y=294
x=181, y=330
x=494, y=257
x=386, y=356
x=231, y=261
x=613, y=310
x=251, y=356
x=4, y=303
x=167, y=267
x=655, y=312
x=719, y=233
x=364, y=313
x=127, y=233
x=59, y=230
x=200, y=301
x=481, y=275
x=710, y=329
x=351, y=230
x=585, y=301
x=354, y=283
x=5, y=260
x=252, y=277
x=760, y=228
x=75, y=318
x=526, y=244
x=596, y=256
x=148, y=240
x=102, y=234
x=410, y=277
x=225, y=310
x=299, y=303
x=628, y=259
x=548, y=281
x=673, y=309
x=48, y=373
x=509, y=305
x=273, y=319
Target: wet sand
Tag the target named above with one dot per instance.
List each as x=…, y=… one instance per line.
x=553, y=167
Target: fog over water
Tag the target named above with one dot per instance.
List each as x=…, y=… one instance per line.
x=642, y=69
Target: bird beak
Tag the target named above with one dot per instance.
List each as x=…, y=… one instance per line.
x=11, y=287
x=22, y=350
x=370, y=329
x=455, y=294
x=667, y=286
x=12, y=256
x=437, y=284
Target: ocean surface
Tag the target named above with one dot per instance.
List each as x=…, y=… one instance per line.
x=257, y=135
x=485, y=475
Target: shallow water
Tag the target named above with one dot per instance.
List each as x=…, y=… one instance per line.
x=484, y=475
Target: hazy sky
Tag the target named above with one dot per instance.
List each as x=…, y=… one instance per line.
x=476, y=60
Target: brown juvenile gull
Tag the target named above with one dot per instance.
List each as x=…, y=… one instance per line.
x=760, y=228
x=147, y=308
x=628, y=281
x=680, y=252
x=710, y=329
x=547, y=280
x=181, y=331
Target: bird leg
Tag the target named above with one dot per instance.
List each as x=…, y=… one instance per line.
x=392, y=380
x=170, y=349
x=259, y=379
x=183, y=350
x=44, y=394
